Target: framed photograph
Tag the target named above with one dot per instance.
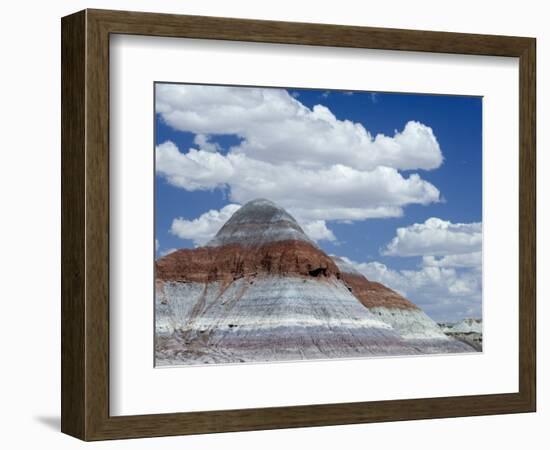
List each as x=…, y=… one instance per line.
x=273, y=225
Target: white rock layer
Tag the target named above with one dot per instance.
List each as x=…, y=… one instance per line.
x=409, y=323
x=267, y=319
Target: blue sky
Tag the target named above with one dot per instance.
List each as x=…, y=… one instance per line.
x=208, y=138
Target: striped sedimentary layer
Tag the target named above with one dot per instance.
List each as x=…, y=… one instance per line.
x=267, y=318
x=232, y=261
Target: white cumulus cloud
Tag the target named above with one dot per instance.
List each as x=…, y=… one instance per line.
x=445, y=294
x=204, y=143
x=203, y=228
x=307, y=160
x=194, y=170
x=274, y=126
x=472, y=260
x=318, y=231
x=448, y=282
x=436, y=237
x=336, y=192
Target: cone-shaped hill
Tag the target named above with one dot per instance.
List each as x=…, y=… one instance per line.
x=261, y=290
x=259, y=222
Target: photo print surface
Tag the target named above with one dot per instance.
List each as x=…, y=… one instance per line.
x=299, y=224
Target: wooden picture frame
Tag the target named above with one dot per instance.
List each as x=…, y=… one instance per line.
x=85, y=224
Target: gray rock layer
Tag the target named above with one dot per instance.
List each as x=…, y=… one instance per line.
x=259, y=222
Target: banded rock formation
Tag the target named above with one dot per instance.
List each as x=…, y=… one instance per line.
x=261, y=290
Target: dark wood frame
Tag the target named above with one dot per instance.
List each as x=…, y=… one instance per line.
x=85, y=224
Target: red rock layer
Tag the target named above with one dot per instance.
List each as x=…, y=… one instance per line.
x=233, y=261
x=372, y=294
